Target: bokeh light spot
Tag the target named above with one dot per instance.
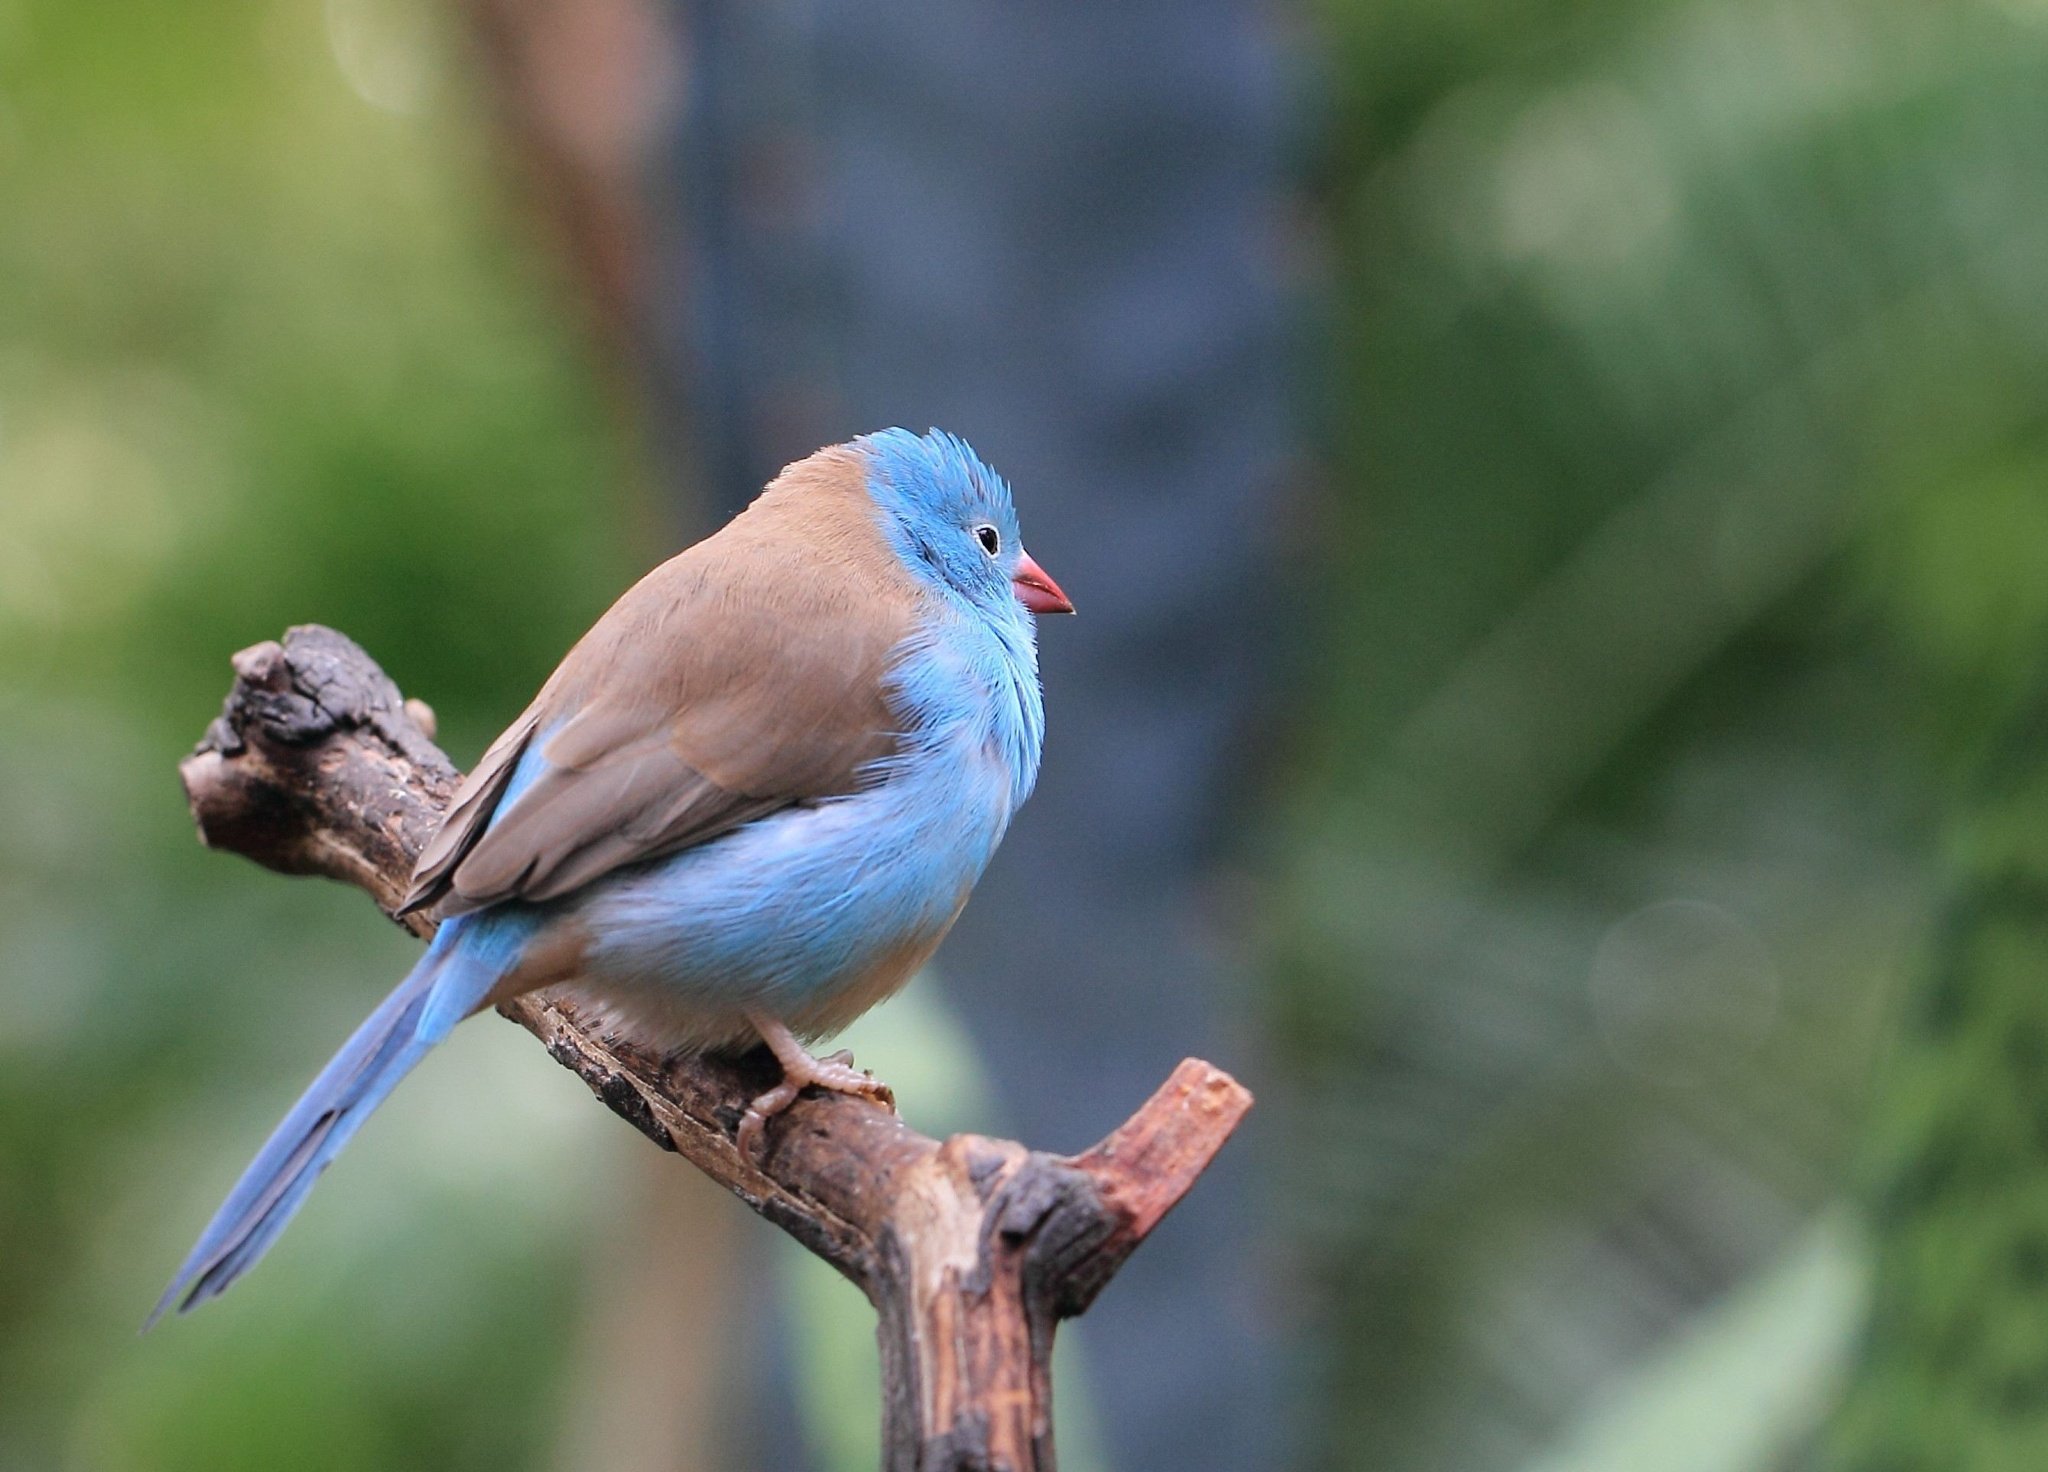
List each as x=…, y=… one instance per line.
x=1682, y=992
x=385, y=52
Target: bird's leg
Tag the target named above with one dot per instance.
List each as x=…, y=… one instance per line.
x=800, y=1069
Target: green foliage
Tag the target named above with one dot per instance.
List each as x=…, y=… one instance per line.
x=273, y=355
x=1683, y=394
x=1955, y=1369
x=268, y=354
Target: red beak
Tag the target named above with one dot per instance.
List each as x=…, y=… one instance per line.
x=1035, y=589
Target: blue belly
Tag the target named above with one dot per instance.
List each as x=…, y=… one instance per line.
x=816, y=911
x=777, y=914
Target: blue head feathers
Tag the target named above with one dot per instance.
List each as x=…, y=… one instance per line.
x=949, y=516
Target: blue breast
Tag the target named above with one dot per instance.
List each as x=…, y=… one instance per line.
x=778, y=913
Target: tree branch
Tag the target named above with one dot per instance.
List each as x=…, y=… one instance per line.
x=971, y=1250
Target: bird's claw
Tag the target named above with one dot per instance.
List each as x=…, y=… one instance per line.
x=754, y=1123
x=838, y=1074
x=835, y=1074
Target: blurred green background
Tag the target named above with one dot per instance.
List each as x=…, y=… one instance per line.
x=1655, y=907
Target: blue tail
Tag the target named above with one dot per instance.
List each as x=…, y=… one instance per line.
x=451, y=981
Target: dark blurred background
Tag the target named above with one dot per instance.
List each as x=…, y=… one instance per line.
x=1558, y=498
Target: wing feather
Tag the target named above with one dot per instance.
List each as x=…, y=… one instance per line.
x=748, y=673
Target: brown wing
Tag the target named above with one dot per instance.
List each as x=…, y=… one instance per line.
x=739, y=677
x=475, y=800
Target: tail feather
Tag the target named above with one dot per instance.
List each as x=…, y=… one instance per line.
x=449, y=983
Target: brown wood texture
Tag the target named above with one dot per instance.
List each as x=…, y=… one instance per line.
x=971, y=1249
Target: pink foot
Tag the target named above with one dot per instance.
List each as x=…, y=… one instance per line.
x=800, y=1071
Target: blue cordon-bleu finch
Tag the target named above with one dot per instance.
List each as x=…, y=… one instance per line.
x=748, y=804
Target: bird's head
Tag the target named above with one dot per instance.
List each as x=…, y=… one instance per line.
x=951, y=518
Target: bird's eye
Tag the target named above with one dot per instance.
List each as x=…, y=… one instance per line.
x=991, y=540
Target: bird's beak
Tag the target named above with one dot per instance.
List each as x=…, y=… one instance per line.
x=1035, y=589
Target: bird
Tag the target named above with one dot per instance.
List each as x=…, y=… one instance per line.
x=745, y=808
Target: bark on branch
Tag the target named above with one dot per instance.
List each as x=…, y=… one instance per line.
x=971, y=1249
